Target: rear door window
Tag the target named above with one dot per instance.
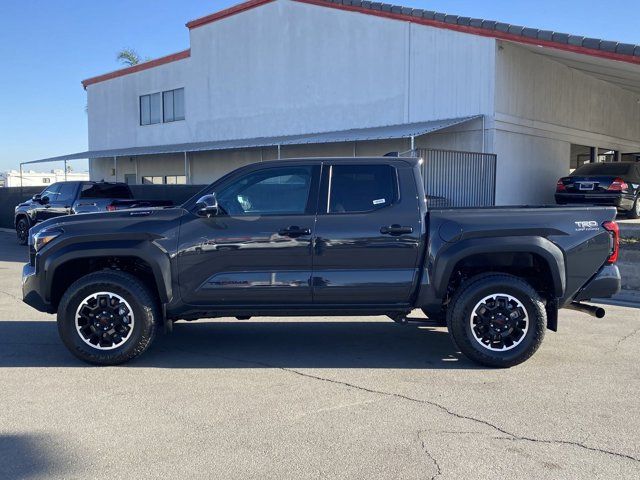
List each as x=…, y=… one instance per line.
x=106, y=190
x=361, y=188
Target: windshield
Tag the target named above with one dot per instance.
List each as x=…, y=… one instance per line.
x=603, y=169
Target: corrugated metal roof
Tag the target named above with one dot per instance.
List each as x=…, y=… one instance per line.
x=405, y=130
x=491, y=26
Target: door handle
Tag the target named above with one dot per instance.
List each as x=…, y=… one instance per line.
x=294, y=231
x=395, y=230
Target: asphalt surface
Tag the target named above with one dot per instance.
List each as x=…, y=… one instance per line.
x=357, y=398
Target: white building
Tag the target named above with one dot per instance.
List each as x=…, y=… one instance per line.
x=30, y=178
x=291, y=78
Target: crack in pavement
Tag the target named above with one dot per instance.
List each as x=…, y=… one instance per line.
x=626, y=337
x=430, y=455
x=448, y=411
x=10, y=295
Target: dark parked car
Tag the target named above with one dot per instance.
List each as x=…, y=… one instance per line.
x=321, y=237
x=613, y=183
x=66, y=198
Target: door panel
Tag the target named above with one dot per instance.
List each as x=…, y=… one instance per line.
x=258, y=250
x=355, y=263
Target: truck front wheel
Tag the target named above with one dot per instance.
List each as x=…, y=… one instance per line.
x=107, y=317
x=497, y=320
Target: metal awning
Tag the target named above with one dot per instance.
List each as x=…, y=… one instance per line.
x=407, y=130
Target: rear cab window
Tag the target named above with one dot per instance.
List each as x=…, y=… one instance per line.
x=106, y=190
x=603, y=169
x=360, y=188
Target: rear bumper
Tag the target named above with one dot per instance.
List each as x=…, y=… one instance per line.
x=31, y=294
x=621, y=201
x=604, y=284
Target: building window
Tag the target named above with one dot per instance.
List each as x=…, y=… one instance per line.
x=173, y=104
x=152, y=180
x=175, y=180
x=164, y=107
x=46, y=180
x=150, y=109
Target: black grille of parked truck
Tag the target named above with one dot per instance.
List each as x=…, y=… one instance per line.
x=329, y=237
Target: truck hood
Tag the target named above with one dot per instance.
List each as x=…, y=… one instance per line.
x=138, y=220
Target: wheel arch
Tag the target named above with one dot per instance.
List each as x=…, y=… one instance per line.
x=498, y=254
x=142, y=259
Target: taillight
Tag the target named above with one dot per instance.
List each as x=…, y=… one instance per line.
x=618, y=184
x=614, y=230
x=560, y=186
x=111, y=208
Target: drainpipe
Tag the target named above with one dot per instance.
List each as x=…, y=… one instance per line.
x=484, y=132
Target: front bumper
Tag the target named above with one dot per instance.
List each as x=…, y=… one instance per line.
x=31, y=294
x=604, y=284
x=620, y=201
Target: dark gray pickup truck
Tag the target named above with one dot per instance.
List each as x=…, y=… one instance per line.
x=68, y=198
x=329, y=236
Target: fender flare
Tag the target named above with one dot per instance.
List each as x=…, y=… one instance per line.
x=446, y=261
x=141, y=248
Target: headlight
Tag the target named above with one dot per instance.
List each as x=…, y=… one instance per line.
x=43, y=237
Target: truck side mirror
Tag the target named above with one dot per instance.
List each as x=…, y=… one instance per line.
x=36, y=197
x=44, y=200
x=207, y=206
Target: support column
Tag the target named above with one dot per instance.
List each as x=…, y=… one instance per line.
x=278, y=151
x=115, y=168
x=136, y=165
x=187, y=169
x=65, y=170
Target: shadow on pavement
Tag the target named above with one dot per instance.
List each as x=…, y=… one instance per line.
x=26, y=456
x=10, y=251
x=255, y=344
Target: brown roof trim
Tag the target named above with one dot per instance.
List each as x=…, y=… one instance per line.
x=226, y=13
x=137, y=68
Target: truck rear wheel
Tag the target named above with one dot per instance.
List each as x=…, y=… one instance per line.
x=497, y=320
x=107, y=317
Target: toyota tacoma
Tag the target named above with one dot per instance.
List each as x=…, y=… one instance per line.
x=333, y=237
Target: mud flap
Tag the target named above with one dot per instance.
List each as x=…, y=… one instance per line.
x=552, y=314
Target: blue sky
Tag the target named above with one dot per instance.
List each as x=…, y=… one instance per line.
x=47, y=48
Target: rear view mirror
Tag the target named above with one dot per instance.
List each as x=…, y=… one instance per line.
x=207, y=206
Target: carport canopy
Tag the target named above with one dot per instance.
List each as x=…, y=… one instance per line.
x=407, y=130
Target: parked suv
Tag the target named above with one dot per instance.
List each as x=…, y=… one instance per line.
x=611, y=183
x=350, y=236
x=66, y=198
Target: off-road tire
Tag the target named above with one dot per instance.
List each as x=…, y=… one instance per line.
x=477, y=288
x=22, y=231
x=145, y=308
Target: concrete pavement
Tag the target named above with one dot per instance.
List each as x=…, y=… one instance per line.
x=316, y=398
